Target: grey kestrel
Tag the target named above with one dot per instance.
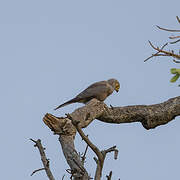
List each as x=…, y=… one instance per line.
x=99, y=90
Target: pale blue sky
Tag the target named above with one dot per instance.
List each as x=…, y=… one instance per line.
x=51, y=50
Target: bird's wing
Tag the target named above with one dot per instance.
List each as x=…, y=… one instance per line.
x=94, y=90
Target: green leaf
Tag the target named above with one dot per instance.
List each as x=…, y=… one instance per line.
x=178, y=71
x=174, y=78
x=173, y=71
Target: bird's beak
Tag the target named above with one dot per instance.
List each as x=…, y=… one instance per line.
x=117, y=90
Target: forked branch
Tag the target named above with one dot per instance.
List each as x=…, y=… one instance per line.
x=161, y=52
x=100, y=154
x=170, y=53
x=150, y=116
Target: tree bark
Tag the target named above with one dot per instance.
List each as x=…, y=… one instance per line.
x=150, y=116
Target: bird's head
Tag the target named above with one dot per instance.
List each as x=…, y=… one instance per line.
x=114, y=83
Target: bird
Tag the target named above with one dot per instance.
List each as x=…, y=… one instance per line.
x=99, y=90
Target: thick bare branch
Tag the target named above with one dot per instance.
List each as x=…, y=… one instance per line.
x=150, y=116
x=66, y=131
x=100, y=154
x=100, y=161
x=44, y=159
x=72, y=157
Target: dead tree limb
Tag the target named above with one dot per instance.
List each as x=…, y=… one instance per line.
x=66, y=131
x=100, y=161
x=150, y=116
x=44, y=159
x=100, y=154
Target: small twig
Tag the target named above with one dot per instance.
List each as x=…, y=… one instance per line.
x=165, y=53
x=174, y=37
x=81, y=167
x=69, y=171
x=170, y=30
x=90, y=144
x=111, y=150
x=63, y=177
x=156, y=54
x=100, y=154
x=178, y=19
x=95, y=159
x=176, y=61
x=85, y=138
x=34, y=142
x=160, y=54
x=109, y=176
x=84, y=155
x=100, y=161
x=116, y=153
x=37, y=170
x=175, y=41
x=44, y=159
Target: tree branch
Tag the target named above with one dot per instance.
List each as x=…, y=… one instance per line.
x=83, y=158
x=37, y=171
x=170, y=30
x=156, y=54
x=72, y=157
x=100, y=161
x=100, y=154
x=178, y=19
x=160, y=50
x=109, y=176
x=45, y=161
x=150, y=116
x=164, y=53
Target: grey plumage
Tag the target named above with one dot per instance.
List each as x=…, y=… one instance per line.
x=99, y=90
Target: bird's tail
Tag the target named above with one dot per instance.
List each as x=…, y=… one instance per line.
x=74, y=100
